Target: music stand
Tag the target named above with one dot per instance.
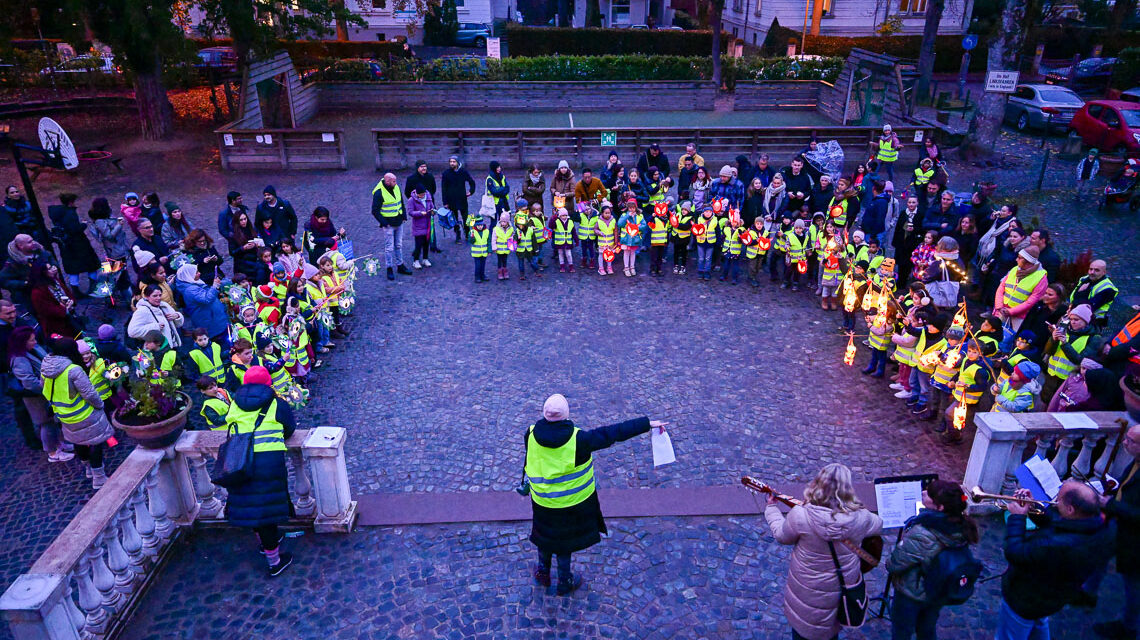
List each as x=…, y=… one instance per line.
x=891, y=492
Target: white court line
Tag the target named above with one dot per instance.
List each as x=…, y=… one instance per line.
x=571, y=115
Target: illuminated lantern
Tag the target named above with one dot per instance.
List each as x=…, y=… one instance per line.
x=881, y=321
x=929, y=359
x=884, y=300
x=512, y=244
x=746, y=236
x=673, y=220
x=764, y=242
x=631, y=229
x=952, y=358
x=699, y=229
x=960, y=416
x=801, y=266
x=849, y=356
x=849, y=299
x=717, y=206
x=867, y=302
x=660, y=208
x=832, y=261
x=836, y=211
x=608, y=255
x=559, y=202
x=734, y=215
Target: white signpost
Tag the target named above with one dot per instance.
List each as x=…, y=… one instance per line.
x=1001, y=81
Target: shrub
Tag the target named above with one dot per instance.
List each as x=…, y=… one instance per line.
x=1127, y=70
x=308, y=52
x=543, y=41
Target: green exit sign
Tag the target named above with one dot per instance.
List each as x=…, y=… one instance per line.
x=609, y=138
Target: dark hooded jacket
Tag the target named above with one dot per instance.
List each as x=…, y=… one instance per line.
x=264, y=500
x=456, y=184
x=571, y=529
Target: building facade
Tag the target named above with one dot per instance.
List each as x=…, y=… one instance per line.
x=389, y=23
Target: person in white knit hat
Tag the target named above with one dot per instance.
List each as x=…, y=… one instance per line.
x=560, y=475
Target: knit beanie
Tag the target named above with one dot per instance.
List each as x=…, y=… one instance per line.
x=269, y=190
x=725, y=171
x=106, y=332
x=171, y=207
x=257, y=374
x=1031, y=254
x=1082, y=311
x=556, y=408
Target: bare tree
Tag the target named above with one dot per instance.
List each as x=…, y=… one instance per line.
x=1004, y=55
x=934, y=9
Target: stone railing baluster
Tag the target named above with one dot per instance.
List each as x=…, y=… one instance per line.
x=78, y=619
x=132, y=543
x=163, y=526
x=303, y=505
x=89, y=598
x=118, y=560
x=1060, y=462
x=144, y=524
x=101, y=575
x=1082, y=466
x=207, y=493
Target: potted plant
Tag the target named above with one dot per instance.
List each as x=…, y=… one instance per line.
x=155, y=413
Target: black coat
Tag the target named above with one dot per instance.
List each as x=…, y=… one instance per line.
x=578, y=527
x=74, y=246
x=457, y=183
x=283, y=215
x=264, y=500
x=1048, y=566
x=1126, y=512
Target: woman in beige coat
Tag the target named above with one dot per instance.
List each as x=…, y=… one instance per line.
x=831, y=512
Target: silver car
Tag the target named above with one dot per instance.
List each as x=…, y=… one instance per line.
x=1030, y=105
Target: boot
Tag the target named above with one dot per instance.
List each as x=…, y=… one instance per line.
x=391, y=274
x=566, y=587
x=98, y=478
x=403, y=270
x=609, y=268
x=570, y=267
x=542, y=575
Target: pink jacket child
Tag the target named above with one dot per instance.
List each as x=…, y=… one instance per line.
x=131, y=211
x=421, y=210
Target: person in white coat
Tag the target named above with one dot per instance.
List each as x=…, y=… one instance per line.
x=152, y=314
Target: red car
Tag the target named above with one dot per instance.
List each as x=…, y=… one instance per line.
x=1109, y=125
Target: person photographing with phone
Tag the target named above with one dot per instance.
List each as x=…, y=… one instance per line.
x=1071, y=341
x=567, y=516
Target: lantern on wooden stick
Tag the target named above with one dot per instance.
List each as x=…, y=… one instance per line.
x=849, y=356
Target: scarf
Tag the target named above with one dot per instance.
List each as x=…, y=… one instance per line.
x=59, y=294
x=1022, y=273
x=533, y=179
x=771, y=193
x=17, y=256
x=325, y=229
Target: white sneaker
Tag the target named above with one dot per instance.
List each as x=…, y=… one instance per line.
x=60, y=456
x=903, y=394
x=896, y=386
x=425, y=262
x=415, y=264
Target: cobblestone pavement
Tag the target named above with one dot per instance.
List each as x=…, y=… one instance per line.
x=441, y=376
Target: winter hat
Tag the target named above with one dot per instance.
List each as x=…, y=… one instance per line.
x=1028, y=369
x=420, y=163
x=859, y=264
x=83, y=347
x=687, y=205
x=1082, y=311
x=888, y=187
x=799, y=225
x=1031, y=254
x=106, y=332
x=1094, y=152
x=263, y=341
x=171, y=207
x=143, y=257
x=562, y=164
x=269, y=190
x=1088, y=364
x=257, y=374
x=131, y=194
x=521, y=204
x=725, y=171
x=556, y=408
x=955, y=333
x=886, y=128
x=278, y=268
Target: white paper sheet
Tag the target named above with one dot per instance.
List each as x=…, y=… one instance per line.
x=1074, y=420
x=1044, y=473
x=662, y=448
x=898, y=502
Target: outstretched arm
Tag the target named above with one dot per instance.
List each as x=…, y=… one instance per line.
x=603, y=437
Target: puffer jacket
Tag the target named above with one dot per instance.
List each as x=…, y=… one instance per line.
x=811, y=595
x=264, y=500
x=95, y=428
x=925, y=537
x=533, y=190
x=147, y=317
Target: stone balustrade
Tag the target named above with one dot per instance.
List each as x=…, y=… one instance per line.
x=1002, y=438
x=87, y=582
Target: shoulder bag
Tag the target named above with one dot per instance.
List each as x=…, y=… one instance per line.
x=852, y=611
x=234, y=466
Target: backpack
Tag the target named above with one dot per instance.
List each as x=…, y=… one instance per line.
x=951, y=576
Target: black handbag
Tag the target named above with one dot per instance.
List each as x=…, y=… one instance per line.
x=234, y=466
x=852, y=610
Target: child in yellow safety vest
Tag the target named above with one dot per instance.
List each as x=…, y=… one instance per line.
x=480, y=240
x=294, y=332
x=587, y=234
x=332, y=286
x=732, y=249
x=830, y=252
x=682, y=231
x=564, y=231
x=242, y=358
x=943, y=360
x=606, y=232
x=216, y=404
x=927, y=326
x=879, y=338
x=756, y=245
x=541, y=233
x=524, y=248
x=277, y=364
x=705, y=232
x=207, y=358
x=1014, y=394
x=96, y=369
x=502, y=244
x=658, y=239
x=972, y=380
x=156, y=352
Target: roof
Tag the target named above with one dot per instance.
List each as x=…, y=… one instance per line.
x=1042, y=85
x=1119, y=104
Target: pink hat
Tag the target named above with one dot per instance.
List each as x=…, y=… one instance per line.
x=1082, y=311
x=257, y=375
x=83, y=346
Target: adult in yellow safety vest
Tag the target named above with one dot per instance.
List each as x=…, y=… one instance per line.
x=1097, y=291
x=263, y=502
x=888, y=151
x=1067, y=347
x=1021, y=288
x=559, y=475
x=388, y=209
x=76, y=405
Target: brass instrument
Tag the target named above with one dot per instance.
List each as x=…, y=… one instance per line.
x=1038, y=506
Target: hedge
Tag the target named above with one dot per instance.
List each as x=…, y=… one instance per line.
x=525, y=42
x=600, y=68
x=307, y=52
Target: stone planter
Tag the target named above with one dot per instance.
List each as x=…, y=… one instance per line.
x=1111, y=164
x=157, y=435
x=1131, y=399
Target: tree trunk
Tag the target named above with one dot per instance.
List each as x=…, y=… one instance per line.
x=156, y=115
x=926, y=53
x=714, y=24
x=341, y=22
x=565, y=14
x=1004, y=55
x=593, y=13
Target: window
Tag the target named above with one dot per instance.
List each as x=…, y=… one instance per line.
x=758, y=5
x=1025, y=93
x=619, y=12
x=912, y=6
x=1094, y=110
x=1110, y=118
x=754, y=39
x=737, y=6
x=734, y=33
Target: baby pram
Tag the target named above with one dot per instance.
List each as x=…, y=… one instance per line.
x=1122, y=188
x=827, y=158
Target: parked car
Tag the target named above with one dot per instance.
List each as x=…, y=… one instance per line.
x=472, y=34
x=86, y=64
x=1093, y=74
x=1110, y=125
x=1031, y=105
x=348, y=70
x=217, y=59
x=1131, y=95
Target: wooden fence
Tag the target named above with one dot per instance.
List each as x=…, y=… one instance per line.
x=778, y=94
x=246, y=149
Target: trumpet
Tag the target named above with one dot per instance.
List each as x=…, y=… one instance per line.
x=1038, y=506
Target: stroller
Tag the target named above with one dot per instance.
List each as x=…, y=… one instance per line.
x=1122, y=188
x=827, y=158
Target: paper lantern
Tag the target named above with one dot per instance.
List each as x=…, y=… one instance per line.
x=546, y=234
x=608, y=255
x=746, y=236
x=849, y=355
x=867, y=302
x=512, y=244
x=631, y=228
x=880, y=321
x=673, y=220
x=849, y=300
x=832, y=261
x=699, y=229
x=660, y=208
x=764, y=242
x=952, y=358
x=734, y=216
x=960, y=416
x=717, y=206
x=559, y=202
x=801, y=266
x=836, y=211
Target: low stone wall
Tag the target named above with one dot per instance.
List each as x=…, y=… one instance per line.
x=515, y=96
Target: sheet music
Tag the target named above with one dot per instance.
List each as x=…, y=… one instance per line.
x=898, y=502
x=1074, y=420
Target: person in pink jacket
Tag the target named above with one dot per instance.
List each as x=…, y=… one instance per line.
x=1021, y=288
x=131, y=211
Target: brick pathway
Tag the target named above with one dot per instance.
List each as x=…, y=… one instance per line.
x=441, y=376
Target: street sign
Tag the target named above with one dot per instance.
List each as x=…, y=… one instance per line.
x=493, y=50
x=1001, y=81
x=404, y=16
x=609, y=138
x=969, y=42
